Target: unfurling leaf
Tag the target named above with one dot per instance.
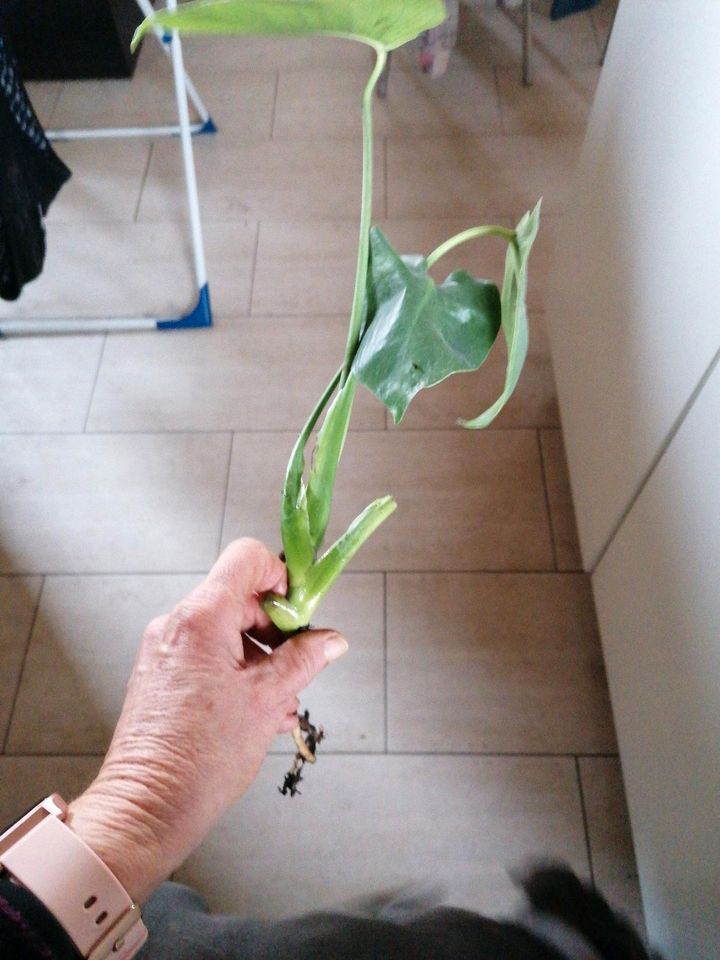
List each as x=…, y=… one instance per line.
x=514, y=313
x=417, y=332
x=386, y=24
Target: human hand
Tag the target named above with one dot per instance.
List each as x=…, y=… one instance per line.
x=201, y=710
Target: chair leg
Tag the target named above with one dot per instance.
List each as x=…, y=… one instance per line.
x=382, y=85
x=527, y=43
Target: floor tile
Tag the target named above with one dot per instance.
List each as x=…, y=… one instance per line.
x=105, y=183
x=207, y=56
x=487, y=177
x=555, y=101
x=348, y=699
x=453, y=822
x=305, y=267
x=43, y=96
x=260, y=374
x=18, y=600
x=611, y=845
x=317, y=102
x=562, y=512
x=46, y=384
x=489, y=33
x=138, y=269
x=241, y=102
x=112, y=504
x=497, y=663
x=274, y=181
x=466, y=501
x=308, y=267
x=534, y=402
x=25, y=780
x=81, y=653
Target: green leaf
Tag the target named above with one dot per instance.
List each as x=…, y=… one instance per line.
x=326, y=456
x=418, y=333
x=294, y=612
x=294, y=518
x=514, y=313
x=380, y=23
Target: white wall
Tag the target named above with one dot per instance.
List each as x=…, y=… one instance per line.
x=635, y=334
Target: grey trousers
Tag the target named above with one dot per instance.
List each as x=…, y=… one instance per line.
x=182, y=928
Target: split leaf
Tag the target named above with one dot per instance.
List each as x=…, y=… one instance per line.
x=297, y=540
x=385, y=24
x=418, y=333
x=326, y=457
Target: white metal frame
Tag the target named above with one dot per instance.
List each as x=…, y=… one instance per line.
x=200, y=315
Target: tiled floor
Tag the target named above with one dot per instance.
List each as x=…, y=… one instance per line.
x=469, y=727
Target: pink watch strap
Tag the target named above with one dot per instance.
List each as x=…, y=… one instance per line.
x=78, y=889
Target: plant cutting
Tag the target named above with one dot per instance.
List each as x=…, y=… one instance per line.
x=406, y=333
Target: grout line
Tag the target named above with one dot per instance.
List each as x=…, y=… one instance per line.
x=678, y=422
x=225, y=498
x=496, y=79
x=274, y=104
x=13, y=703
x=143, y=181
x=429, y=572
x=432, y=754
x=548, y=508
x=253, y=431
x=586, y=828
x=385, y=664
x=386, y=203
x=359, y=753
x=95, y=382
x=253, y=271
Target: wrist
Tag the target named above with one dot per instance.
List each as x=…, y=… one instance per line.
x=122, y=830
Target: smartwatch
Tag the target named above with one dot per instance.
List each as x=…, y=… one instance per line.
x=42, y=854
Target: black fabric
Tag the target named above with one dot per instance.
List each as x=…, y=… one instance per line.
x=563, y=8
x=31, y=174
x=28, y=931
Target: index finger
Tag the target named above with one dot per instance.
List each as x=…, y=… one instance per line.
x=246, y=567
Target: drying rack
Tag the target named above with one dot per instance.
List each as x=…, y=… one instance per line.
x=201, y=314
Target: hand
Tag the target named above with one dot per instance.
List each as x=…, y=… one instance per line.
x=202, y=708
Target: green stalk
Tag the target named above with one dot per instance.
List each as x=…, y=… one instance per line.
x=472, y=234
x=365, y=215
x=294, y=518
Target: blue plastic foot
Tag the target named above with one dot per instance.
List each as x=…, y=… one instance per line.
x=199, y=316
x=208, y=127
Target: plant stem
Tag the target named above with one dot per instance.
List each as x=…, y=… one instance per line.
x=365, y=215
x=471, y=234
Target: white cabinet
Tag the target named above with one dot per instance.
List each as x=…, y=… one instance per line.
x=635, y=319
x=634, y=326
x=657, y=594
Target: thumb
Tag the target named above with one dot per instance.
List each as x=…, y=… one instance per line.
x=300, y=659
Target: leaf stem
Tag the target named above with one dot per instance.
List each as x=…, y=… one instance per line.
x=472, y=234
x=365, y=215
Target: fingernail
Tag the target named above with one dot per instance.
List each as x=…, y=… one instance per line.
x=335, y=646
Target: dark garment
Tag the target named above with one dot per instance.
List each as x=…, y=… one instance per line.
x=563, y=8
x=31, y=174
x=182, y=928
x=27, y=930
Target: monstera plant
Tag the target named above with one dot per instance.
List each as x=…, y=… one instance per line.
x=405, y=333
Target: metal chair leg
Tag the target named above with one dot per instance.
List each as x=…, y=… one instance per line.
x=382, y=85
x=527, y=43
